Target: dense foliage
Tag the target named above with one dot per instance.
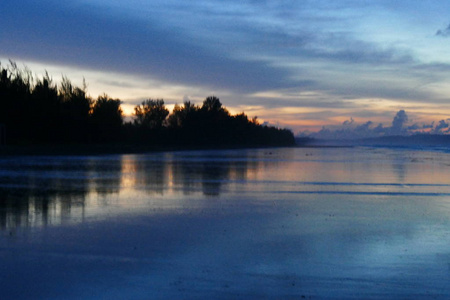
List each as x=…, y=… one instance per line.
x=40, y=112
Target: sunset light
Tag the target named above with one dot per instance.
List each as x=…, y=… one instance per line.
x=301, y=63
x=211, y=149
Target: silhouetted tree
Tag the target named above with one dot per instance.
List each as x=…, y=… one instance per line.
x=151, y=114
x=15, y=107
x=77, y=103
x=46, y=93
x=46, y=111
x=212, y=104
x=107, y=118
x=181, y=115
x=213, y=123
x=76, y=108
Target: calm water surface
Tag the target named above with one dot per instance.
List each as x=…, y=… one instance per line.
x=336, y=223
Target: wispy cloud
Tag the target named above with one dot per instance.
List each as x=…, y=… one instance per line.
x=81, y=36
x=330, y=51
x=444, y=32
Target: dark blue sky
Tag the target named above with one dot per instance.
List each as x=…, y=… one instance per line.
x=302, y=64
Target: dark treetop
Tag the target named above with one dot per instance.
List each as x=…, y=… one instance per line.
x=38, y=112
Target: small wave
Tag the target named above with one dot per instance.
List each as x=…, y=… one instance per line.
x=316, y=183
x=363, y=193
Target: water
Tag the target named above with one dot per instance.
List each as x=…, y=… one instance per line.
x=291, y=223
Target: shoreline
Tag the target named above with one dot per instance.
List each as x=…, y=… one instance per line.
x=110, y=149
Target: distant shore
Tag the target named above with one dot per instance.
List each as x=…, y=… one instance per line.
x=417, y=140
x=106, y=149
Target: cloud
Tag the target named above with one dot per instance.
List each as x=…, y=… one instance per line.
x=441, y=127
x=348, y=122
x=444, y=32
x=350, y=130
x=418, y=127
x=83, y=37
x=398, y=123
x=237, y=50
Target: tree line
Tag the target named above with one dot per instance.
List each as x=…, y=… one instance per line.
x=42, y=112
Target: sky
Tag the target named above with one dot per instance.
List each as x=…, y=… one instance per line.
x=305, y=65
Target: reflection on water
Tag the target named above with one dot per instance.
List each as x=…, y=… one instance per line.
x=240, y=224
x=39, y=191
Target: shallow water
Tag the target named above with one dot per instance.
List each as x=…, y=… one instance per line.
x=319, y=223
